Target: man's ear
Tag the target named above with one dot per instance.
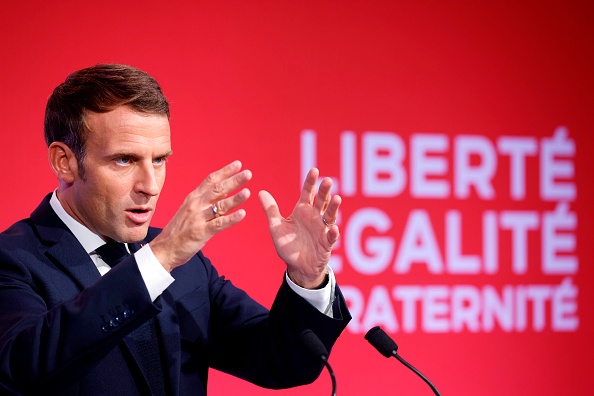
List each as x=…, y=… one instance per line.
x=63, y=162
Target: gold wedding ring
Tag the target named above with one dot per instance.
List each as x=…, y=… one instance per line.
x=215, y=211
x=328, y=224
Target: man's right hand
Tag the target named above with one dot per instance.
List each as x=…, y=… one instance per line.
x=194, y=223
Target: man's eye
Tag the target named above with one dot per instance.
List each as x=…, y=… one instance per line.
x=160, y=160
x=123, y=160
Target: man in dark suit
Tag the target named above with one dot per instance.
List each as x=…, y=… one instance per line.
x=93, y=301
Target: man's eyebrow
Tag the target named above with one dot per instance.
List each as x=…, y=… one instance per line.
x=123, y=153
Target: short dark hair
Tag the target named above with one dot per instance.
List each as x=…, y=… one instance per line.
x=100, y=89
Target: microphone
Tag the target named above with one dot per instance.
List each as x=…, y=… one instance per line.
x=387, y=347
x=317, y=349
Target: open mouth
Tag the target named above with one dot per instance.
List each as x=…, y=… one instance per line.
x=138, y=215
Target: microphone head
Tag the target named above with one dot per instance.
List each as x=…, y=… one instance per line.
x=313, y=344
x=381, y=341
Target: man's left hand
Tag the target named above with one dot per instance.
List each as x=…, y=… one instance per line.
x=304, y=240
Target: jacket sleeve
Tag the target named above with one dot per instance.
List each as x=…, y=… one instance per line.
x=263, y=347
x=42, y=349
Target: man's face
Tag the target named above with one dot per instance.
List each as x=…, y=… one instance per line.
x=125, y=161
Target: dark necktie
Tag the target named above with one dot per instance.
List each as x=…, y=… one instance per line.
x=112, y=253
x=145, y=337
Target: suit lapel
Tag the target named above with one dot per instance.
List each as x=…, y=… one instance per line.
x=62, y=246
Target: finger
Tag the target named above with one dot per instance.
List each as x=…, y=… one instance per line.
x=270, y=207
x=227, y=205
x=323, y=197
x=231, y=184
x=223, y=173
x=218, y=224
x=333, y=234
x=331, y=214
x=309, y=187
x=220, y=183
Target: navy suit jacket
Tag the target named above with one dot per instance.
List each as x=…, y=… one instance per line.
x=64, y=328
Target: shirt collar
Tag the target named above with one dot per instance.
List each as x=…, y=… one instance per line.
x=87, y=238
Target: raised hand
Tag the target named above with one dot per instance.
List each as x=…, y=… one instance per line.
x=205, y=211
x=304, y=240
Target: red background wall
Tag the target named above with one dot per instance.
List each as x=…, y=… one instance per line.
x=245, y=78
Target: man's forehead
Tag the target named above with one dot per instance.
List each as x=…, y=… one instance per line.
x=126, y=119
x=127, y=128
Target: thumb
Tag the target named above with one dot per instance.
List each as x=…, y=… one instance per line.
x=270, y=208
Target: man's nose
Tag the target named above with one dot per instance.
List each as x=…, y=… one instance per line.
x=146, y=182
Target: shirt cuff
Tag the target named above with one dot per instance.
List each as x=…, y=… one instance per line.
x=156, y=278
x=321, y=299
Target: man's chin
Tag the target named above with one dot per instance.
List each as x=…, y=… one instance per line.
x=135, y=234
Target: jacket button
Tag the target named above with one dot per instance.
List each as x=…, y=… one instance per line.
x=113, y=323
x=105, y=327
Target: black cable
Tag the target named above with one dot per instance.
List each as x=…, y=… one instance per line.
x=331, y=372
x=416, y=372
